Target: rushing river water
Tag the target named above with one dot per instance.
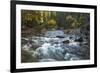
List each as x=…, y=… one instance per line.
x=54, y=46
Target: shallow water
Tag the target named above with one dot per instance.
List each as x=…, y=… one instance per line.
x=53, y=48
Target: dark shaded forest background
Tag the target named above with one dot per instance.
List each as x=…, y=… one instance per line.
x=41, y=21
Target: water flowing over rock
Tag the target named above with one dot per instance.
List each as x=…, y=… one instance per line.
x=54, y=33
x=56, y=46
x=69, y=56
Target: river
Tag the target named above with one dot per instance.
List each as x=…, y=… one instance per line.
x=55, y=46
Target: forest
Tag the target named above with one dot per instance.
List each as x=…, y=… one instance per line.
x=42, y=30
x=41, y=21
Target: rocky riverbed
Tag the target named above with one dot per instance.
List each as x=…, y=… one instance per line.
x=55, y=46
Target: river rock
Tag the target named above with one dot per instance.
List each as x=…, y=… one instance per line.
x=80, y=39
x=66, y=42
x=69, y=56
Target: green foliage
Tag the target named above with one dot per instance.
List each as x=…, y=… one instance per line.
x=75, y=21
x=51, y=24
x=39, y=20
